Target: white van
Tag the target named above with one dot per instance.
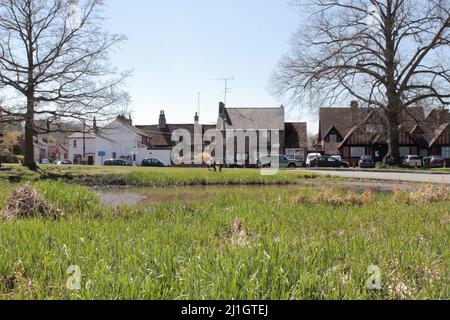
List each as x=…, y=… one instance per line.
x=310, y=157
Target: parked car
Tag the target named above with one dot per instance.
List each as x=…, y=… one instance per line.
x=151, y=162
x=63, y=162
x=412, y=161
x=337, y=157
x=366, y=162
x=117, y=163
x=434, y=162
x=284, y=162
x=328, y=162
x=45, y=161
x=310, y=157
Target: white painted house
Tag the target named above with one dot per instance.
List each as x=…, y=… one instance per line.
x=82, y=144
x=121, y=140
x=118, y=140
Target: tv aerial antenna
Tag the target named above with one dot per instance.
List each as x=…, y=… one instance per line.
x=227, y=89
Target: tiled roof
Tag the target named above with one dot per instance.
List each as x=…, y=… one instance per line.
x=79, y=135
x=163, y=137
x=345, y=119
x=257, y=118
x=340, y=118
x=136, y=130
x=296, y=135
x=439, y=132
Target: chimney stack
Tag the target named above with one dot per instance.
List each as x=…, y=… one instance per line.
x=354, y=106
x=94, y=125
x=222, y=110
x=162, y=120
x=196, y=118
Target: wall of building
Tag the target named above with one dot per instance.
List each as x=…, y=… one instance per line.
x=77, y=151
x=116, y=140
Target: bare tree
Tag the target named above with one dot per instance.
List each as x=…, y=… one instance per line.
x=54, y=64
x=389, y=54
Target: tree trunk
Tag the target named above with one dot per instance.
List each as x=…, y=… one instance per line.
x=394, y=137
x=29, y=135
x=29, y=118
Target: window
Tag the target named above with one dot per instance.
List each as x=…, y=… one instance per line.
x=445, y=152
x=74, y=143
x=114, y=155
x=357, y=152
x=333, y=138
x=404, y=151
x=283, y=159
x=331, y=159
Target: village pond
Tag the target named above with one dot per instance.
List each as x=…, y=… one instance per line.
x=145, y=196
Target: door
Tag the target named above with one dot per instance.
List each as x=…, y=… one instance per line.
x=91, y=160
x=77, y=159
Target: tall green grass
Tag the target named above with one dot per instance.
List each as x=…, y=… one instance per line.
x=238, y=245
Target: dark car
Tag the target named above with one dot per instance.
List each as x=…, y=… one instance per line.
x=328, y=162
x=366, y=162
x=117, y=163
x=154, y=163
x=434, y=162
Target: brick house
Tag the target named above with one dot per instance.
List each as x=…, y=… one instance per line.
x=292, y=135
x=58, y=151
x=357, y=131
x=434, y=134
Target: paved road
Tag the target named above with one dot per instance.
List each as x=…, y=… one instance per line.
x=411, y=177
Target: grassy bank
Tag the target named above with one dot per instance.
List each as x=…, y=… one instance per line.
x=271, y=244
x=156, y=177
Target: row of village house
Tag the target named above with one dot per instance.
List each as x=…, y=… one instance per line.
x=123, y=140
x=350, y=132
x=357, y=131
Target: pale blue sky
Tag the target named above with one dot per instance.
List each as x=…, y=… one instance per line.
x=178, y=48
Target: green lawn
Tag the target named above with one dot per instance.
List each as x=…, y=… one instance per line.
x=158, y=177
x=277, y=243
